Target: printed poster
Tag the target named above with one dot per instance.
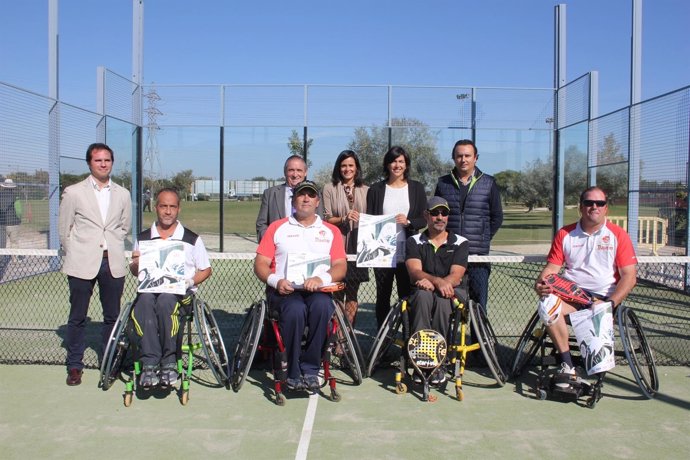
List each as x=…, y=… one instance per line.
x=161, y=267
x=377, y=241
x=301, y=266
x=594, y=333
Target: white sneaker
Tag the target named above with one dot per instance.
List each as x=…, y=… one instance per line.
x=565, y=376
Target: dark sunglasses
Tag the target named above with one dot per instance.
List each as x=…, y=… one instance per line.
x=590, y=203
x=435, y=212
x=310, y=193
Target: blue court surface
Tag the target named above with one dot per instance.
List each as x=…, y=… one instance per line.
x=41, y=417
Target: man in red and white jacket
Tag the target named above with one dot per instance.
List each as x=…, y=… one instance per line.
x=598, y=256
x=302, y=233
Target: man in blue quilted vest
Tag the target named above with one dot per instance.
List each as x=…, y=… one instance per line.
x=475, y=212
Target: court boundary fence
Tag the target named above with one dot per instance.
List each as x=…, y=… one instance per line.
x=33, y=318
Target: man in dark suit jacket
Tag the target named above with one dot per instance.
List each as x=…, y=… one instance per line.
x=95, y=218
x=276, y=201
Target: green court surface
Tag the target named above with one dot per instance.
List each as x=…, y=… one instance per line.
x=41, y=417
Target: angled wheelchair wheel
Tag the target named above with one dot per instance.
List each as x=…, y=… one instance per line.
x=385, y=337
x=637, y=351
x=211, y=341
x=527, y=346
x=487, y=341
x=116, y=349
x=346, y=344
x=247, y=344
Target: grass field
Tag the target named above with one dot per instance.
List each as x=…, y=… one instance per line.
x=519, y=226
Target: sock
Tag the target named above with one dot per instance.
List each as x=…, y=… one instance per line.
x=566, y=358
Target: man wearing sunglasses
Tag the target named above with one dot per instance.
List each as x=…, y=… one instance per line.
x=436, y=261
x=598, y=256
x=303, y=308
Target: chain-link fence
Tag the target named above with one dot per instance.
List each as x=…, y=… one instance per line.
x=36, y=304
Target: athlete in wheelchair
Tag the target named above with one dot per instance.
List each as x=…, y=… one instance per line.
x=600, y=272
x=435, y=317
x=151, y=324
x=297, y=305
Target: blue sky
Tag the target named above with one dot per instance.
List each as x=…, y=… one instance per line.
x=487, y=43
x=439, y=42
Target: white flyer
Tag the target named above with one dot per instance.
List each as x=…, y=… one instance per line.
x=301, y=266
x=594, y=333
x=377, y=241
x=161, y=267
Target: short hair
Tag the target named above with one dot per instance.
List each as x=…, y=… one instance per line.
x=168, y=190
x=344, y=155
x=391, y=155
x=463, y=142
x=591, y=189
x=98, y=146
x=294, y=157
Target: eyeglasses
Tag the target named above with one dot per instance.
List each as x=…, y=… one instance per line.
x=590, y=203
x=435, y=212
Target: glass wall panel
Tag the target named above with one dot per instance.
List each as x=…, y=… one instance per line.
x=183, y=157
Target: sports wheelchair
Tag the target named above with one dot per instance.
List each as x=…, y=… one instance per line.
x=636, y=351
x=201, y=331
x=452, y=359
x=261, y=332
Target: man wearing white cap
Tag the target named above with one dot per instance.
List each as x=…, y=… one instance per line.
x=9, y=220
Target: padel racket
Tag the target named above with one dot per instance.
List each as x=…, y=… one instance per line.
x=427, y=349
x=568, y=291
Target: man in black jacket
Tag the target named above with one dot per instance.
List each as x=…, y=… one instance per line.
x=475, y=212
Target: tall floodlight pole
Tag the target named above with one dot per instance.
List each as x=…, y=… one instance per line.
x=137, y=102
x=53, y=125
x=634, y=121
x=559, y=77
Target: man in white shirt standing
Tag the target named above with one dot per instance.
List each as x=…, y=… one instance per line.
x=95, y=218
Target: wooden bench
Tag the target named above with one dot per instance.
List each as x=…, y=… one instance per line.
x=651, y=234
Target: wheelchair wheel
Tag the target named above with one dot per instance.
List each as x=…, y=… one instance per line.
x=487, y=341
x=527, y=346
x=116, y=349
x=211, y=341
x=385, y=337
x=247, y=344
x=346, y=341
x=637, y=351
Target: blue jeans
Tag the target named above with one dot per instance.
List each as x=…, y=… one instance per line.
x=478, y=274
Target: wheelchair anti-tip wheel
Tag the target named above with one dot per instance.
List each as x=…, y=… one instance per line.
x=487, y=341
x=247, y=344
x=385, y=337
x=637, y=351
x=116, y=349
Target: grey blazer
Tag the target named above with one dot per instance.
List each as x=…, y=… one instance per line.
x=273, y=208
x=82, y=230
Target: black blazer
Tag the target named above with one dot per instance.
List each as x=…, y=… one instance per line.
x=417, y=197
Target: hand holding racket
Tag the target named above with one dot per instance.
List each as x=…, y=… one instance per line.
x=568, y=291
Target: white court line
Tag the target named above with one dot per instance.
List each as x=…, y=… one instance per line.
x=305, y=439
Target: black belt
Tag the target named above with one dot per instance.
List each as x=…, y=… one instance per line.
x=105, y=254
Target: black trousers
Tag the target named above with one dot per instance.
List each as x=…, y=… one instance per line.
x=80, y=291
x=384, y=288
